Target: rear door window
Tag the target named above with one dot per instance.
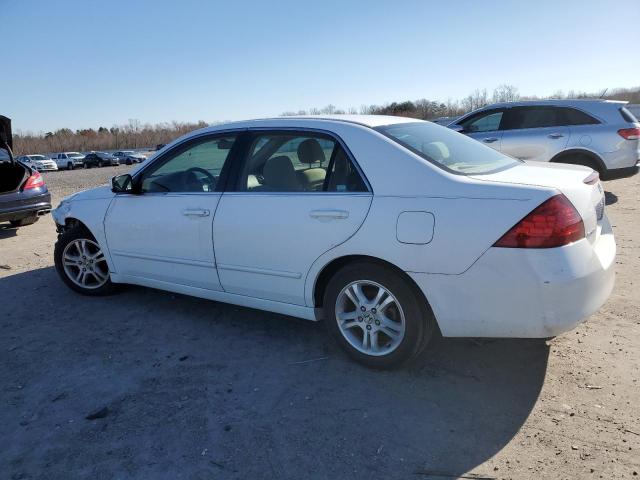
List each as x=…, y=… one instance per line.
x=517, y=118
x=298, y=162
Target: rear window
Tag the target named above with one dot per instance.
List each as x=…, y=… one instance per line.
x=628, y=116
x=447, y=149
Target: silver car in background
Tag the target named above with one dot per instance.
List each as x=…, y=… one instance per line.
x=600, y=134
x=39, y=162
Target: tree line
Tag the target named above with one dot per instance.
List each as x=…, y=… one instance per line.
x=120, y=137
x=432, y=109
x=136, y=135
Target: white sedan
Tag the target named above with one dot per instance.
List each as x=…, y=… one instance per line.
x=388, y=229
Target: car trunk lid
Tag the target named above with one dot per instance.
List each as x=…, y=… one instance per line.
x=579, y=184
x=12, y=174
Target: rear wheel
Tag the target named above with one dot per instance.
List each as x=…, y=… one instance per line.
x=100, y=163
x=376, y=315
x=81, y=263
x=23, y=222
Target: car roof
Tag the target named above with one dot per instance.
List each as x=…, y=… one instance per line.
x=317, y=121
x=571, y=102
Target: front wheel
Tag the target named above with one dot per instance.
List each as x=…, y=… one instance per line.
x=376, y=315
x=69, y=166
x=81, y=263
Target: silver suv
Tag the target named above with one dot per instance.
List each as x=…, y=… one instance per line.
x=600, y=134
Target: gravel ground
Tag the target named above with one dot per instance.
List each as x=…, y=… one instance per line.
x=186, y=388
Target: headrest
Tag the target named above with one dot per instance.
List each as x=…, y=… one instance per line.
x=310, y=151
x=279, y=174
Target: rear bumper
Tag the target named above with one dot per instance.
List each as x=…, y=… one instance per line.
x=617, y=173
x=25, y=207
x=525, y=293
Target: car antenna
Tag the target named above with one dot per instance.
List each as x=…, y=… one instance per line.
x=603, y=93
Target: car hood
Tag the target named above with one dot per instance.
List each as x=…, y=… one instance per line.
x=91, y=194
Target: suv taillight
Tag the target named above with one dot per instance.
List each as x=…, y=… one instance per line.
x=34, y=181
x=630, y=133
x=554, y=223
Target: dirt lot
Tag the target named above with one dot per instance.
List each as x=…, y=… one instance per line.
x=200, y=390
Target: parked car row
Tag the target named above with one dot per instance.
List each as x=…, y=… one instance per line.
x=71, y=160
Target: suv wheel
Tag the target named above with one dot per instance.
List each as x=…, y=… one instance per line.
x=81, y=263
x=376, y=315
x=70, y=166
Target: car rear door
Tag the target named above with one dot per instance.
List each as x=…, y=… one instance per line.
x=163, y=231
x=534, y=133
x=285, y=210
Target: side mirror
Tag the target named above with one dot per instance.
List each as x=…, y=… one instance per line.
x=122, y=184
x=457, y=128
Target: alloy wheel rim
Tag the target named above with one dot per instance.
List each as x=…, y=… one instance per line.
x=85, y=264
x=370, y=318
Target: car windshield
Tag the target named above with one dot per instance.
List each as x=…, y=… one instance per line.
x=447, y=149
x=74, y=155
x=38, y=157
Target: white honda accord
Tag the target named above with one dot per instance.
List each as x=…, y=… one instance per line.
x=388, y=229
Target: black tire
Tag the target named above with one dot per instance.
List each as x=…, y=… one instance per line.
x=129, y=162
x=100, y=164
x=23, y=222
x=78, y=233
x=69, y=166
x=86, y=165
x=420, y=323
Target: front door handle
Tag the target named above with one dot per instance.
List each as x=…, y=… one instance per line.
x=329, y=214
x=490, y=139
x=195, y=212
x=555, y=135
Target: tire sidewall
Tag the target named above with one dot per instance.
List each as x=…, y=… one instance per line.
x=416, y=323
x=76, y=233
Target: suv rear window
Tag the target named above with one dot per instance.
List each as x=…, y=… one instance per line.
x=628, y=116
x=447, y=149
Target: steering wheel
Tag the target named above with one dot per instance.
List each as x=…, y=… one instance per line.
x=211, y=179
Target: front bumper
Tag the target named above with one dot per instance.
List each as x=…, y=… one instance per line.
x=524, y=293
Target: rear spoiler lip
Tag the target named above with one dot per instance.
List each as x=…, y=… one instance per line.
x=592, y=178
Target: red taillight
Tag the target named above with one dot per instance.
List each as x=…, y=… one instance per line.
x=34, y=181
x=554, y=223
x=630, y=133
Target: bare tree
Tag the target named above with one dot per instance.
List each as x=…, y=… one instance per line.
x=505, y=93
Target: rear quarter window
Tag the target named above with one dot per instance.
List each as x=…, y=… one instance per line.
x=571, y=116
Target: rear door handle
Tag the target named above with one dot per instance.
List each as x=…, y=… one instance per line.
x=195, y=212
x=490, y=139
x=329, y=214
x=555, y=135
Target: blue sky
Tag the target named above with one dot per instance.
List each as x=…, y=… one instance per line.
x=85, y=63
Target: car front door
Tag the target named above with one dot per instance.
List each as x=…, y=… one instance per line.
x=163, y=231
x=534, y=133
x=484, y=126
x=297, y=195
